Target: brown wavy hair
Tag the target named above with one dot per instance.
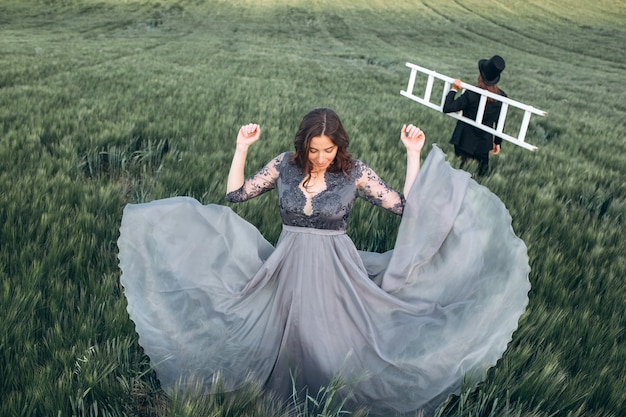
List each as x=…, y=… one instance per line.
x=491, y=88
x=318, y=122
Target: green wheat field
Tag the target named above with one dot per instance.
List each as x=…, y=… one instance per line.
x=109, y=102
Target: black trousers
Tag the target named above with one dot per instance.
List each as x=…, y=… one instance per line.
x=481, y=157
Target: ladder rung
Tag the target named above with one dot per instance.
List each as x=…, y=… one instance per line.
x=481, y=109
x=429, y=87
x=503, y=111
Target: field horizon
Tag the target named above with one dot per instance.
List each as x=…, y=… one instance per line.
x=110, y=102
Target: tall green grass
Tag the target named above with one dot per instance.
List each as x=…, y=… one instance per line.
x=108, y=102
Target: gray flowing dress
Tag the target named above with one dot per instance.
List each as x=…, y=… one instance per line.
x=210, y=296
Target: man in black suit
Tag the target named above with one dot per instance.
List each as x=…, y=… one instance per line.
x=470, y=142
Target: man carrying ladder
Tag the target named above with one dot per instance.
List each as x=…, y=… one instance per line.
x=478, y=108
x=472, y=142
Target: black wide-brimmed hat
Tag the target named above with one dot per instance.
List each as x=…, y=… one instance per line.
x=490, y=69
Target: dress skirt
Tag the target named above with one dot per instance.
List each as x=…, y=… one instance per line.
x=210, y=296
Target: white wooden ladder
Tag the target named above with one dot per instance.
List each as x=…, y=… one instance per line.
x=520, y=140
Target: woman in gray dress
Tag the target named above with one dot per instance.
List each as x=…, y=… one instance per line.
x=210, y=296
x=321, y=145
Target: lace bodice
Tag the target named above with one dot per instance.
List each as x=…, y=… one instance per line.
x=328, y=209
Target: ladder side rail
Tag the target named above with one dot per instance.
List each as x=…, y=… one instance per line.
x=473, y=122
x=509, y=138
x=480, y=91
x=421, y=100
x=503, y=99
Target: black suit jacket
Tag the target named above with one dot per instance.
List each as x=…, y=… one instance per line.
x=467, y=137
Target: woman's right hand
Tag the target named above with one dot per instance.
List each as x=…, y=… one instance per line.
x=413, y=138
x=248, y=134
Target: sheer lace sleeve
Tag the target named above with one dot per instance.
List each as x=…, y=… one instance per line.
x=257, y=184
x=373, y=189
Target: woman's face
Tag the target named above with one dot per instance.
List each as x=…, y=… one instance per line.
x=322, y=153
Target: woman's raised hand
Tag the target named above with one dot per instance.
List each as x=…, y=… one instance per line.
x=248, y=134
x=412, y=137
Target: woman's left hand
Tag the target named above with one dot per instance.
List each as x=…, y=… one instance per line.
x=412, y=137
